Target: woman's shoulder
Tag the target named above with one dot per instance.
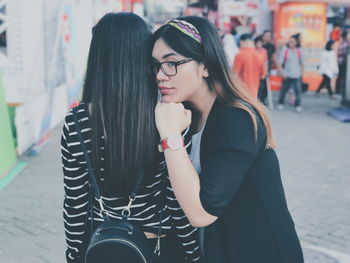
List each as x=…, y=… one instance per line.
x=234, y=119
x=232, y=127
x=82, y=116
x=329, y=53
x=81, y=110
x=231, y=113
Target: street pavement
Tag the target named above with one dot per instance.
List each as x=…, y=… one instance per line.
x=314, y=153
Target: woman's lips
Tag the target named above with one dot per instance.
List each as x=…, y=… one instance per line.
x=165, y=90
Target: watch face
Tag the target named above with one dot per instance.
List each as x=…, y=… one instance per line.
x=175, y=142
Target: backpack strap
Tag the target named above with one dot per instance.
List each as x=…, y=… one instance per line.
x=299, y=54
x=285, y=56
x=89, y=166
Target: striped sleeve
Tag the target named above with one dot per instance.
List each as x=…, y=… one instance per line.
x=187, y=235
x=76, y=197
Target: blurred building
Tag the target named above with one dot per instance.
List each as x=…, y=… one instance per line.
x=314, y=20
x=44, y=46
x=160, y=11
x=43, y=52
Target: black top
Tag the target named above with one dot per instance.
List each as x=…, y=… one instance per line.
x=270, y=48
x=241, y=185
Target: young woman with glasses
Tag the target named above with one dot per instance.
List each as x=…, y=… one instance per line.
x=229, y=180
x=116, y=117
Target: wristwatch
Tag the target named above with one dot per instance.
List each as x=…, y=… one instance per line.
x=173, y=142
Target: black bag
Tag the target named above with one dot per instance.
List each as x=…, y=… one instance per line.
x=116, y=241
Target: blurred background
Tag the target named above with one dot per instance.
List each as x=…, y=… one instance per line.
x=44, y=46
x=43, y=55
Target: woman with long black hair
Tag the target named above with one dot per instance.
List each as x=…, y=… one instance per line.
x=229, y=183
x=116, y=118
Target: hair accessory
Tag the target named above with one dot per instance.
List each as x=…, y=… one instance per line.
x=187, y=29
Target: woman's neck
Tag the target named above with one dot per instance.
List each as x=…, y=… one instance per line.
x=203, y=103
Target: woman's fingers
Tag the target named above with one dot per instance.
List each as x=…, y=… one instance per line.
x=171, y=118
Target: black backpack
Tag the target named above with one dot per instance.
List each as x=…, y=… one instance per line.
x=116, y=241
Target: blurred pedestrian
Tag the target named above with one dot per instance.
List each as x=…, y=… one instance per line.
x=328, y=67
x=344, y=45
x=271, y=50
x=262, y=93
x=115, y=116
x=298, y=38
x=290, y=67
x=230, y=45
x=249, y=65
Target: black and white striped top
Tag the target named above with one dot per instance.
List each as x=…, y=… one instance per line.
x=145, y=209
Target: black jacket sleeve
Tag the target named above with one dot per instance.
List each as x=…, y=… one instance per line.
x=228, y=149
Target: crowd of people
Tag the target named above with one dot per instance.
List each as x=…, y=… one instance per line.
x=254, y=59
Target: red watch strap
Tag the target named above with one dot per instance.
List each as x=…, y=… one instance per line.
x=164, y=144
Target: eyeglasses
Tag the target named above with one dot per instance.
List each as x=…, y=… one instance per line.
x=169, y=68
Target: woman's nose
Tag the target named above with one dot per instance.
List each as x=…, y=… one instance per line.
x=161, y=76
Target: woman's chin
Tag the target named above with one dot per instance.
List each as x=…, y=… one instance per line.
x=167, y=99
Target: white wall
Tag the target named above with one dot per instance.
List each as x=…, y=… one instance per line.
x=36, y=52
x=43, y=71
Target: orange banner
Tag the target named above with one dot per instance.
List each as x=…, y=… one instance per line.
x=309, y=19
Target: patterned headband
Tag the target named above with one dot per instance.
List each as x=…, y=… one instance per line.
x=187, y=29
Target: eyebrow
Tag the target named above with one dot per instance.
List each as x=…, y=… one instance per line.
x=165, y=56
x=169, y=55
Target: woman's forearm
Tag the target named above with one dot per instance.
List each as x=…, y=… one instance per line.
x=185, y=183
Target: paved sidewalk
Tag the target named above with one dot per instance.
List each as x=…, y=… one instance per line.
x=314, y=152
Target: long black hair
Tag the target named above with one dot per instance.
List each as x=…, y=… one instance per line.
x=229, y=90
x=329, y=45
x=122, y=96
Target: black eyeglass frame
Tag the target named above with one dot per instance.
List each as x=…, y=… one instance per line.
x=176, y=63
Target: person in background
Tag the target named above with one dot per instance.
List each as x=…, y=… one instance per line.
x=270, y=48
x=230, y=44
x=262, y=93
x=249, y=65
x=290, y=67
x=344, y=45
x=328, y=68
x=298, y=37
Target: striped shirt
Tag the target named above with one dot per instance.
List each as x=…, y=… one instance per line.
x=145, y=210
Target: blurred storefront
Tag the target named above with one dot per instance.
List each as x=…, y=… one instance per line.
x=242, y=15
x=158, y=12
x=44, y=46
x=309, y=20
x=314, y=20
x=43, y=52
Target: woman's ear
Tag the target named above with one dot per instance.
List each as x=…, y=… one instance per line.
x=205, y=72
